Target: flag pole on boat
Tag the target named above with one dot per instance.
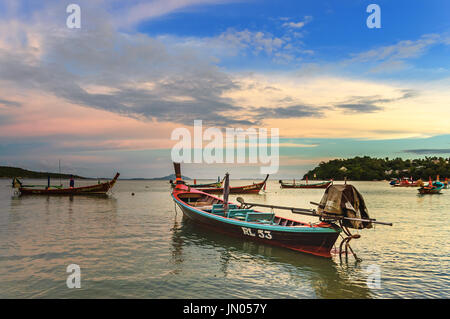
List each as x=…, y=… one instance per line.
x=226, y=192
x=60, y=173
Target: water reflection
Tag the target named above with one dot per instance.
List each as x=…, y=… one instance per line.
x=327, y=278
x=177, y=246
x=103, y=209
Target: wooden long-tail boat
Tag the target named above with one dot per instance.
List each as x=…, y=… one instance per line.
x=314, y=185
x=244, y=222
x=217, y=184
x=408, y=183
x=247, y=189
x=431, y=188
x=97, y=189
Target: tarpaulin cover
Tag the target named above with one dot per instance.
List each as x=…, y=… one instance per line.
x=346, y=201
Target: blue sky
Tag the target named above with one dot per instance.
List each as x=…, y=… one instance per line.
x=337, y=29
x=107, y=96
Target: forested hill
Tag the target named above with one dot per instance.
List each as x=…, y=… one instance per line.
x=9, y=172
x=369, y=169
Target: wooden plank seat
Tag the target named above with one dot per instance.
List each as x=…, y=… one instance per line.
x=260, y=217
x=205, y=208
x=238, y=213
x=201, y=204
x=218, y=208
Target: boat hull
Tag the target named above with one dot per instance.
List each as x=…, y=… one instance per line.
x=248, y=189
x=308, y=239
x=99, y=189
x=406, y=185
x=321, y=185
x=426, y=191
x=210, y=185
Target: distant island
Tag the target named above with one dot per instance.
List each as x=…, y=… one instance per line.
x=370, y=169
x=10, y=172
x=165, y=178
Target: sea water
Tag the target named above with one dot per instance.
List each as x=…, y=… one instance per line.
x=139, y=246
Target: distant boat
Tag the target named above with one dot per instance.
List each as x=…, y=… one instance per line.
x=247, y=189
x=407, y=183
x=431, y=188
x=393, y=182
x=98, y=189
x=314, y=185
x=217, y=184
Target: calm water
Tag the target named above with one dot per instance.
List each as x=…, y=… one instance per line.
x=140, y=247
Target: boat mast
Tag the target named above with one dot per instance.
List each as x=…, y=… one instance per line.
x=226, y=192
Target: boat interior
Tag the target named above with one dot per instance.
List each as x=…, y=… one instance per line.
x=214, y=205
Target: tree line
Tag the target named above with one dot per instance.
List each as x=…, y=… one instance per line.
x=368, y=169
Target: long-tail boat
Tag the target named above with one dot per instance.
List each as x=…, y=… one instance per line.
x=314, y=185
x=217, y=184
x=97, y=189
x=394, y=181
x=247, y=189
x=405, y=182
x=244, y=222
x=431, y=188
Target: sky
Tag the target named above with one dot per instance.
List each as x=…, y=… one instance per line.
x=107, y=96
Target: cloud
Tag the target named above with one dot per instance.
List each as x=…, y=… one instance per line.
x=9, y=103
x=140, y=77
x=368, y=104
x=144, y=77
x=297, y=145
x=359, y=108
x=429, y=151
x=283, y=48
x=144, y=10
x=298, y=25
x=392, y=58
x=404, y=49
x=293, y=111
x=254, y=41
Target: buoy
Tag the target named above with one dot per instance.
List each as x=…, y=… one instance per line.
x=132, y=194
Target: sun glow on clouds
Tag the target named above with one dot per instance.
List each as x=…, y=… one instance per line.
x=374, y=103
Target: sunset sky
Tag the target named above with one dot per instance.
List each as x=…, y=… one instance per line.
x=106, y=97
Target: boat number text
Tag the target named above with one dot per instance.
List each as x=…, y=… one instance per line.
x=259, y=232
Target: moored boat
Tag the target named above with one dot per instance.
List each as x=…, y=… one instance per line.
x=394, y=181
x=408, y=183
x=97, y=189
x=244, y=222
x=431, y=188
x=217, y=184
x=247, y=189
x=314, y=185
